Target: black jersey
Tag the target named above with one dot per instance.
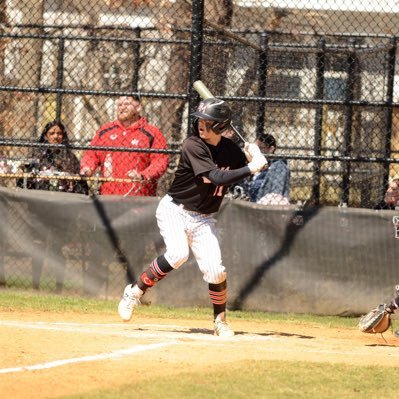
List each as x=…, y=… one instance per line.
x=192, y=189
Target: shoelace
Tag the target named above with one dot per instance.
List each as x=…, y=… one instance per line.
x=133, y=301
x=130, y=299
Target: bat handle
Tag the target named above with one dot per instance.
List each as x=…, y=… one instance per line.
x=237, y=133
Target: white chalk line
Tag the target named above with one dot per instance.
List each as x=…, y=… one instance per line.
x=102, y=356
x=135, y=331
x=77, y=327
x=139, y=331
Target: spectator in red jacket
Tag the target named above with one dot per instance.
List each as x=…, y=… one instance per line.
x=129, y=130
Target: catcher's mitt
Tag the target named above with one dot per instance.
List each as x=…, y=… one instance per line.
x=378, y=320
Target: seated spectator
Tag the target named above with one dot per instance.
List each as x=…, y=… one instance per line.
x=129, y=130
x=49, y=165
x=53, y=162
x=271, y=185
x=391, y=197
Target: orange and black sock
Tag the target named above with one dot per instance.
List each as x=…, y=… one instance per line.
x=158, y=270
x=218, y=295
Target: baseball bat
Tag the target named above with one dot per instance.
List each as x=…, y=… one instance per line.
x=205, y=93
x=202, y=90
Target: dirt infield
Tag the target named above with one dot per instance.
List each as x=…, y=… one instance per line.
x=46, y=355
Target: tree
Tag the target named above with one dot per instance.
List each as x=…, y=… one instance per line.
x=27, y=71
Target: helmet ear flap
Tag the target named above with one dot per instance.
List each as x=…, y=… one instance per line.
x=217, y=127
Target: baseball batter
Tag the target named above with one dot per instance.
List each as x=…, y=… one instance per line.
x=209, y=163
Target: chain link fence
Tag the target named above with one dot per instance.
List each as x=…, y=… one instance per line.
x=321, y=77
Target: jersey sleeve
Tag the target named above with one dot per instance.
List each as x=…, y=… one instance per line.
x=199, y=156
x=226, y=177
x=158, y=161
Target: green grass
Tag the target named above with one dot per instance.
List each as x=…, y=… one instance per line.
x=265, y=379
x=244, y=379
x=12, y=299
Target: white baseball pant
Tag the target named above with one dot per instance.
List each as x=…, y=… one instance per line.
x=182, y=229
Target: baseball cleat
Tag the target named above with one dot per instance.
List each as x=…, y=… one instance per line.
x=128, y=303
x=222, y=329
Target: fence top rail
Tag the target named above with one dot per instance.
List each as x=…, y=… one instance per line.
x=175, y=29
x=269, y=100
x=275, y=46
x=45, y=36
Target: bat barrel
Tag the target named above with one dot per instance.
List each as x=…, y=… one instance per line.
x=202, y=90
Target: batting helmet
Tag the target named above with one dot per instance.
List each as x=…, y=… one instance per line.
x=214, y=109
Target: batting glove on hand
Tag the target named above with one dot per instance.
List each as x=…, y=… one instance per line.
x=258, y=163
x=246, y=152
x=250, y=149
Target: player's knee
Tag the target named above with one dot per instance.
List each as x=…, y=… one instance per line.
x=177, y=259
x=216, y=276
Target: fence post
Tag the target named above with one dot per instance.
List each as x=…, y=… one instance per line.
x=60, y=76
x=197, y=23
x=351, y=61
x=262, y=70
x=320, y=68
x=389, y=109
x=137, y=59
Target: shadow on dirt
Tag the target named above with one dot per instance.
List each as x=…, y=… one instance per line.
x=208, y=331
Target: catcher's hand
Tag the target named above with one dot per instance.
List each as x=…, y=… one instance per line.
x=378, y=320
